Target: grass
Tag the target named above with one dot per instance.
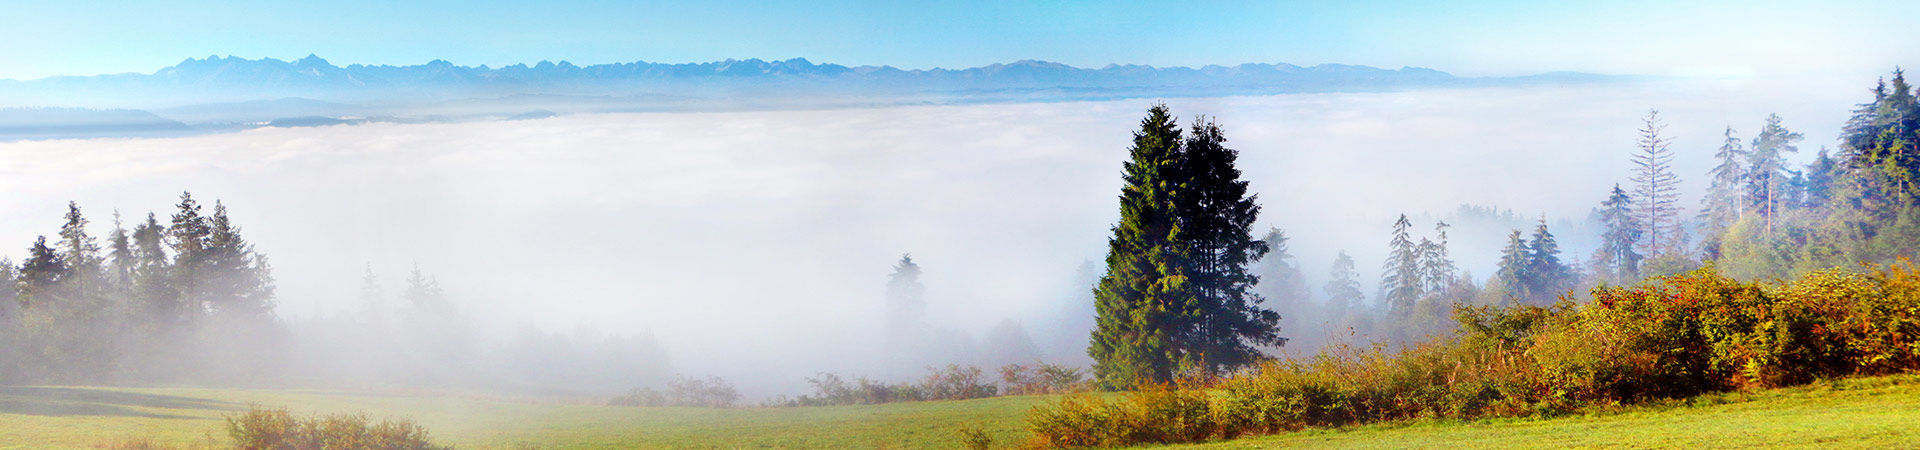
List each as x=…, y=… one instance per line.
x=1860, y=412
x=80, y=417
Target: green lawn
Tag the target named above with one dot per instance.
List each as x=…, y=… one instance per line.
x=39, y=417
x=1868, y=412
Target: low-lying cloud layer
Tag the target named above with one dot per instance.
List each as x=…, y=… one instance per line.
x=757, y=244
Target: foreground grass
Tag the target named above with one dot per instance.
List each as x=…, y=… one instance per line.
x=79, y=417
x=1862, y=412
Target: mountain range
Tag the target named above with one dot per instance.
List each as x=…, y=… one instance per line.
x=223, y=93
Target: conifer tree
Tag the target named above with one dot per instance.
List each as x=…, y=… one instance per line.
x=235, y=279
x=1215, y=218
x=1343, y=286
x=1436, y=267
x=187, y=238
x=1726, y=196
x=1616, y=261
x=159, y=301
x=1138, y=301
x=41, y=275
x=1177, y=295
x=1545, y=276
x=1766, y=177
x=120, y=257
x=906, y=308
x=1514, y=270
x=1821, y=174
x=1400, y=280
x=1281, y=280
x=1656, y=188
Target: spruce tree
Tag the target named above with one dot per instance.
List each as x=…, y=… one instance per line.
x=236, y=281
x=1726, y=196
x=1766, y=167
x=906, y=311
x=120, y=256
x=159, y=302
x=1545, y=276
x=1139, y=300
x=1281, y=281
x=41, y=275
x=1400, y=280
x=187, y=238
x=1436, y=267
x=1215, y=216
x=1513, y=273
x=1821, y=174
x=1656, y=188
x=1343, y=286
x=1616, y=261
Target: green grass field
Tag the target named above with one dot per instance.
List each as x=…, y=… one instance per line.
x=40, y=417
x=1867, y=412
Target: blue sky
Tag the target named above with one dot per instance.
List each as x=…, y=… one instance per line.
x=41, y=39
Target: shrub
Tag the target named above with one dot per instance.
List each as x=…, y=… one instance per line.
x=1154, y=414
x=975, y=438
x=272, y=428
x=710, y=392
x=953, y=382
x=1674, y=336
x=1042, y=378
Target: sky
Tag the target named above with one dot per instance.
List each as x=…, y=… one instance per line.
x=1473, y=37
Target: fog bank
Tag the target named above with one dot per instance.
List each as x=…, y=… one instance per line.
x=756, y=245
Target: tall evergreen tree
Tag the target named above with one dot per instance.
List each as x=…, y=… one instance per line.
x=1343, y=286
x=1281, y=280
x=1514, y=270
x=187, y=238
x=1821, y=174
x=1616, y=261
x=1726, y=196
x=1138, y=301
x=1215, y=217
x=235, y=280
x=1766, y=168
x=1545, y=276
x=1177, y=295
x=1436, y=266
x=1400, y=281
x=120, y=256
x=160, y=303
x=1656, y=188
x=906, y=307
x=41, y=275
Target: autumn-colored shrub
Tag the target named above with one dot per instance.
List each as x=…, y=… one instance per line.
x=276, y=429
x=1674, y=336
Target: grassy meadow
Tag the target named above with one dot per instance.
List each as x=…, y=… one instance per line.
x=1873, y=412
x=81, y=417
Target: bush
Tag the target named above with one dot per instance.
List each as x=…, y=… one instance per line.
x=1154, y=414
x=954, y=382
x=269, y=428
x=1674, y=336
x=709, y=392
x=1042, y=378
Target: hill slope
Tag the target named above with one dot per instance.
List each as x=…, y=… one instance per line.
x=1865, y=412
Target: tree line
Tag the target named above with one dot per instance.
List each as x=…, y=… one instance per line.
x=78, y=311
